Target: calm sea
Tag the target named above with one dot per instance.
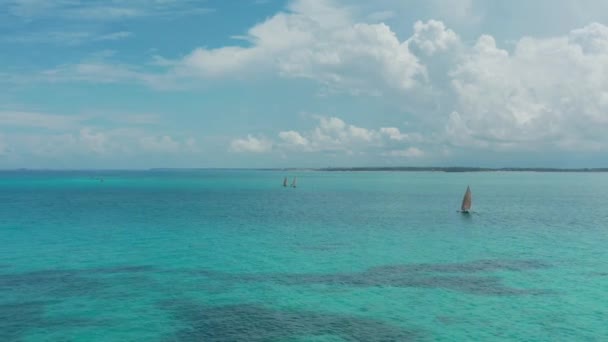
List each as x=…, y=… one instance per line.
x=370, y=256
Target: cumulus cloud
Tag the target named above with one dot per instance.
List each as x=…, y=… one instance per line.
x=545, y=93
x=318, y=41
x=394, y=133
x=550, y=91
x=332, y=134
x=432, y=36
x=294, y=138
x=251, y=144
x=533, y=93
x=592, y=38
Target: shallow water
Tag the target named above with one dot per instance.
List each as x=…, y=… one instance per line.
x=370, y=256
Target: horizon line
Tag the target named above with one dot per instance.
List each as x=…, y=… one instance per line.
x=329, y=169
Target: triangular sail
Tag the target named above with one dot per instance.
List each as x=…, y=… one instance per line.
x=293, y=184
x=285, y=182
x=466, y=201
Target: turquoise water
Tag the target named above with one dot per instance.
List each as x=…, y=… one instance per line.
x=370, y=256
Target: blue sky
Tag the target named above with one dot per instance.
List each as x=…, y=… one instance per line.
x=303, y=83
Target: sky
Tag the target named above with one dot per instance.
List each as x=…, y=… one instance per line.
x=303, y=83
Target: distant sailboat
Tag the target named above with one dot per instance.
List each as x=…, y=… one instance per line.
x=285, y=182
x=293, y=184
x=466, y=201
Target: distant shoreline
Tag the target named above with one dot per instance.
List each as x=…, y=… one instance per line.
x=335, y=169
x=463, y=169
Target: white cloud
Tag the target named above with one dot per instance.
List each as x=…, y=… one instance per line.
x=334, y=135
x=318, y=41
x=432, y=36
x=361, y=133
x=293, y=138
x=313, y=40
x=393, y=133
x=545, y=92
x=218, y=62
x=592, y=38
x=411, y=152
x=331, y=124
x=251, y=144
x=548, y=92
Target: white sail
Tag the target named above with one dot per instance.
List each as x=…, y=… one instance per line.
x=467, y=200
x=293, y=184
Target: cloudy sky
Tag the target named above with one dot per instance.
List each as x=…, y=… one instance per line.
x=303, y=83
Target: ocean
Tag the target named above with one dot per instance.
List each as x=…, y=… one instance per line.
x=231, y=255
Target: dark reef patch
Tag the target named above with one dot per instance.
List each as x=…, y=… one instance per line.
x=50, y=284
x=466, y=277
x=255, y=323
x=466, y=267
x=17, y=319
x=60, y=283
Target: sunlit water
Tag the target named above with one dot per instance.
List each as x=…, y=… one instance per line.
x=370, y=256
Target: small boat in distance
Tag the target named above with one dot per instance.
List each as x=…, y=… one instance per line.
x=466, y=201
x=285, y=182
x=293, y=184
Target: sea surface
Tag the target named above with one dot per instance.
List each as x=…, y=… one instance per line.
x=221, y=255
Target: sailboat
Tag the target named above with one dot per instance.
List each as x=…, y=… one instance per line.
x=466, y=201
x=293, y=184
x=285, y=182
